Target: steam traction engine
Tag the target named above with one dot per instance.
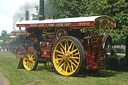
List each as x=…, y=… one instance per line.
x=21, y=43
x=61, y=42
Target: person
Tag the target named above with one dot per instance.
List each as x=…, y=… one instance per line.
x=113, y=55
x=0, y=48
x=114, y=63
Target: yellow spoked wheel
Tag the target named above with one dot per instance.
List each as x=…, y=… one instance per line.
x=48, y=65
x=30, y=60
x=68, y=56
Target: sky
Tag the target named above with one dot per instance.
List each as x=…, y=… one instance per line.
x=7, y=10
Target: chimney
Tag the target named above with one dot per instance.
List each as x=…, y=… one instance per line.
x=41, y=11
x=27, y=15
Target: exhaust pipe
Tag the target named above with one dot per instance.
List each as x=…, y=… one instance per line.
x=27, y=16
x=41, y=10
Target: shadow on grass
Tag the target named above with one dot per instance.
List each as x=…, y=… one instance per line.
x=121, y=69
x=101, y=73
x=42, y=67
x=85, y=74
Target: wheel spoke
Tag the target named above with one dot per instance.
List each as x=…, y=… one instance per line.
x=60, y=55
x=64, y=66
x=69, y=66
x=76, y=54
x=32, y=55
x=33, y=63
x=58, y=51
x=28, y=55
x=73, y=63
x=67, y=44
x=67, y=69
x=62, y=45
x=74, y=51
x=32, y=58
x=70, y=47
x=61, y=50
x=58, y=59
x=31, y=66
x=60, y=62
x=74, y=57
x=26, y=59
x=72, y=67
x=65, y=48
x=60, y=66
x=76, y=62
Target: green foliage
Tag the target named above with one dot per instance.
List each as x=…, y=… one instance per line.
x=36, y=16
x=43, y=76
x=4, y=36
x=48, y=11
x=69, y=8
x=117, y=9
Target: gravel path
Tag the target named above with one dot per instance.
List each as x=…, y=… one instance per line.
x=2, y=81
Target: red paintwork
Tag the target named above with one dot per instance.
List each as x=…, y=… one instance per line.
x=92, y=63
x=46, y=49
x=62, y=24
x=31, y=48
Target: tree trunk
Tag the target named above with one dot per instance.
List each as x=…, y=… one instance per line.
x=127, y=49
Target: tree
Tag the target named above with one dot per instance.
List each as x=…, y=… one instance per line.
x=4, y=36
x=69, y=8
x=116, y=9
x=48, y=10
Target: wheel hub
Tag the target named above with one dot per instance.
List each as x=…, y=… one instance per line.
x=65, y=56
x=30, y=60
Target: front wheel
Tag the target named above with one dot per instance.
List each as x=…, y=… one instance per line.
x=30, y=60
x=68, y=56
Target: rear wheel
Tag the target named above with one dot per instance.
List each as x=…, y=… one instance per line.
x=30, y=60
x=20, y=52
x=68, y=56
x=48, y=65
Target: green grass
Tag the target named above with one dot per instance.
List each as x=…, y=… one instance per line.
x=43, y=76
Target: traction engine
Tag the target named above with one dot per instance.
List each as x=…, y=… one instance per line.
x=62, y=43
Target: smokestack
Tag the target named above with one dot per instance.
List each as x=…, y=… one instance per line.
x=27, y=15
x=41, y=11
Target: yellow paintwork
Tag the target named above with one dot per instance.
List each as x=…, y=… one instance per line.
x=29, y=60
x=66, y=57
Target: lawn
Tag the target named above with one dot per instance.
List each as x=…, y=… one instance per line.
x=43, y=76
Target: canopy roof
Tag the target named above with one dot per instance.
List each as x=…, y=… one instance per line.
x=91, y=22
x=18, y=32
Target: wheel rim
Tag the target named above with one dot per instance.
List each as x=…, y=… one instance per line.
x=20, y=52
x=29, y=60
x=66, y=57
